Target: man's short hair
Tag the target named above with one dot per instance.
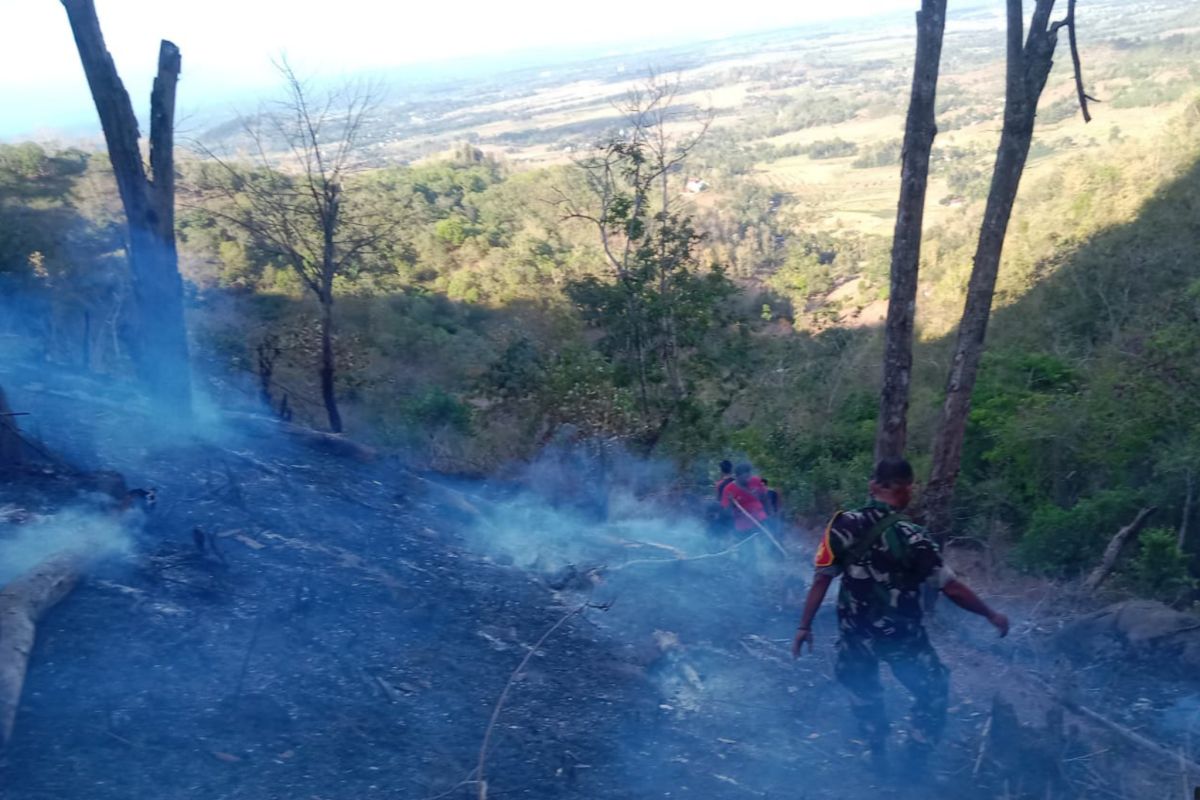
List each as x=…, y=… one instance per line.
x=743, y=468
x=893, y=472
x=726, y=467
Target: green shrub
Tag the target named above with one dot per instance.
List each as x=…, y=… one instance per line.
x=1067, y=541
x=1160, y=570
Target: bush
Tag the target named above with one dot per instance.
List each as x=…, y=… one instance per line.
x=1160, y=570
x=1067, y=541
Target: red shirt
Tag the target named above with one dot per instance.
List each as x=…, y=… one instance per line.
x=749, y=499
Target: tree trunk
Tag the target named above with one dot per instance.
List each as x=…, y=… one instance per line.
x=919, y=132
x=1028, y=68
x=1189, y=500
x=157, y=337
x=11, y=447
x=86, y=354
x=328, y=396
x=1111, y=553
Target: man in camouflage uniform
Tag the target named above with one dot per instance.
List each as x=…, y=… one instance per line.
x=883, y=560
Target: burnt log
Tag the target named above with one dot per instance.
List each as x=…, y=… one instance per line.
x=23, y=603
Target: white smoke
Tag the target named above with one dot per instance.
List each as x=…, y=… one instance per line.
x=27, y=540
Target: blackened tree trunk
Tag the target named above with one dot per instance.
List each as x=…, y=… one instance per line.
x=11, y=447
x=1189, y=500
x=156, y=335
x=328, y=364
x=919, y=132
x=1029, y=65
x=330, y=221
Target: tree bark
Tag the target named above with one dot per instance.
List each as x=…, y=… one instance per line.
x=156, y=337
x=1111, y=553
x=919, y=132
x=1028, y=67
x=328, y=365
x=1189, y=500
x=22, y=604
x=11, y=447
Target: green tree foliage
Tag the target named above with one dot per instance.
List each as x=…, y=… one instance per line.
x=657, y=306
x=880, y=154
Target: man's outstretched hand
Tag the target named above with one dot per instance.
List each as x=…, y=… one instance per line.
x=803, y=635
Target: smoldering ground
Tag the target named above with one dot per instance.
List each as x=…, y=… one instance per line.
x=357, y=634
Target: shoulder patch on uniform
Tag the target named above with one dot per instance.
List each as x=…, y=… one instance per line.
x=825, y=551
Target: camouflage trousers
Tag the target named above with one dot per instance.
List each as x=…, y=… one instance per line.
x=915, y=665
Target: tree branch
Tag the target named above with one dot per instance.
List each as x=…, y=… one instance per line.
x=1083, y=96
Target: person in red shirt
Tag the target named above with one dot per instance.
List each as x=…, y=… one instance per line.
x=747, y=491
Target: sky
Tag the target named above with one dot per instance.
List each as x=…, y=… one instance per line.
x=228, y=45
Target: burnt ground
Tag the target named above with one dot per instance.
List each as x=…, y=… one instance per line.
x=350, y=641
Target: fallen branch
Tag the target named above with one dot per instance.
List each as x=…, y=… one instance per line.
x=335, y=443
x=1115, y=546
x=1125, y=733
x=983, y=742
x=512, y=679
x=23, y=603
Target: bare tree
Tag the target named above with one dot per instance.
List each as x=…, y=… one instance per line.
x=292, y=197
x=645, y=242
x=156, y=333
x=1029, y=62
x=919, y=132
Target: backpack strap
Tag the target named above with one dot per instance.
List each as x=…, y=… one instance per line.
x=864, y=545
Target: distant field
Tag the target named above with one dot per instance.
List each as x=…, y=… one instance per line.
x=774, y=96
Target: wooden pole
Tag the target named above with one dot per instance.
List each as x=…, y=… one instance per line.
x=762, y=528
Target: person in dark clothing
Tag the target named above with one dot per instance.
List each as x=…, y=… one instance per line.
x=771, y=503
x=726, y=477
x=719, y=519
x=883, y=559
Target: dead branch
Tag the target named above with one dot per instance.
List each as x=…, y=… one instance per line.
x=23, y=603
x=1115, y=546
x=1125, y=733
x=1084, y=97
x=487, y=734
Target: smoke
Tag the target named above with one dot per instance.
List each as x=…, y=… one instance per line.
x=704, y=614
x=25, y=542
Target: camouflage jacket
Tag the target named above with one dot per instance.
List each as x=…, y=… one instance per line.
x=880, y=591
